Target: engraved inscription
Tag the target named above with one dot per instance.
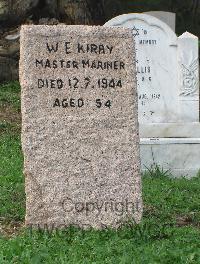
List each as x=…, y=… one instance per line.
x=74, y=82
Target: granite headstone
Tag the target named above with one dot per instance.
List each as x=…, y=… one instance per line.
x=79, y=126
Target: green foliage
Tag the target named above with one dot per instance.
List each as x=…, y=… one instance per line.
x=11, y=179
x=168, y=198
x=169, y=232
x=10, y=95
x=76, y=246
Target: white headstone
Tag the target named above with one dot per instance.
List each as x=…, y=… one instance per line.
x=168, y=17
x=168, y=90
x=157, y=71
x=160, y=84
x=188, y=56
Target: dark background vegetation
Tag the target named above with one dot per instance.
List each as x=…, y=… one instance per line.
x=100, y=11
x=13, y=13
x=187, y=11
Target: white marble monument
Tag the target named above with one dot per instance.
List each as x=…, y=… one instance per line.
x=168, y=17
x=168, y=93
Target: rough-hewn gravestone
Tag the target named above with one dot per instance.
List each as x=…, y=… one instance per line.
x=80, y=130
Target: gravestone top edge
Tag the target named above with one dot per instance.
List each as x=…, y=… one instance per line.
x=188, y=35
x=159, y=12
x=90, y=31
x=168, y=17
x=149, y=19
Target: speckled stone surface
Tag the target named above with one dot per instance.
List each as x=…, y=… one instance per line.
x=79, y=126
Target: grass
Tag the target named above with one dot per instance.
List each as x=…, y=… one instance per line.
x=169, y=232
x=10, y=95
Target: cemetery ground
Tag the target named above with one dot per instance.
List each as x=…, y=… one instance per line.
x=169, y=232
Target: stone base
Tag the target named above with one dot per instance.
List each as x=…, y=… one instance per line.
x=179, y=155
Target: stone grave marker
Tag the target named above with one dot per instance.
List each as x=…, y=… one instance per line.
x=168, y=17
x=160, y=55
x=168, y=91
x=79, y=126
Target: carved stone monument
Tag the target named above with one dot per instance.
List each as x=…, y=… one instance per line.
x=79, y=126
x=168, y=17
x=168, y=94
